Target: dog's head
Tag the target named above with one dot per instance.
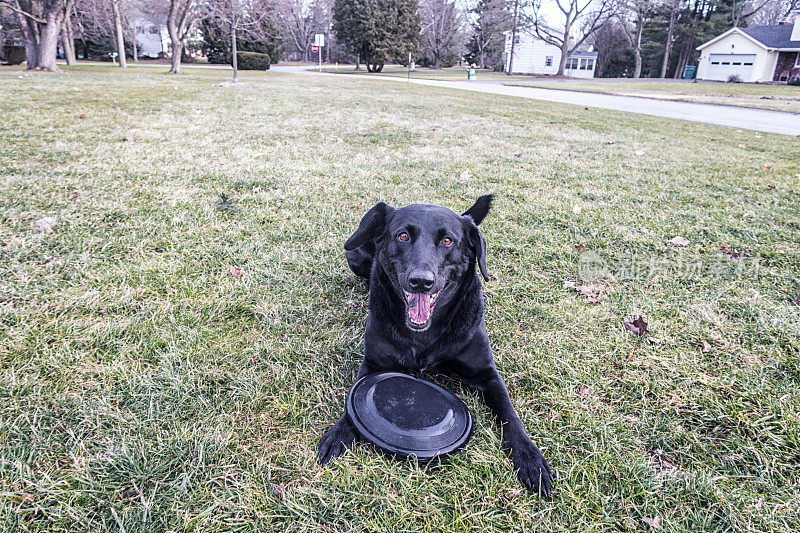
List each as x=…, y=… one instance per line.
x=425, y=250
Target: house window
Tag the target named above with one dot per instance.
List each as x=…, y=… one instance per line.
x=748, y=64
x=548, y=61
x=583, y=64
x=573, y=63
x=590, y=64
x=715, y=62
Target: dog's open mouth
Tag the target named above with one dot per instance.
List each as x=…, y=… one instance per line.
x=419, y=308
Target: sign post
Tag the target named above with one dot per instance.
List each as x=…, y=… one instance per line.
x=319, y=42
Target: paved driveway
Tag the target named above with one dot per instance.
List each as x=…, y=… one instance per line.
x=719, y=115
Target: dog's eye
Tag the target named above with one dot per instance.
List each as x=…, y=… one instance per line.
x=403, y=237
x=447, y=241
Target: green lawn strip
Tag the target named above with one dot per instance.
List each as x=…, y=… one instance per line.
x=759, y=96
x=143, y=385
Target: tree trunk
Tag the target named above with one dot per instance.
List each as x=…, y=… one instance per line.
x=69, y=53
x=30, y=33
x=562, y=63
x=177, y=48
x=234, y=55
x=120, y=38
x=358, y=60
x=668, y=47
x=48, y=42
x=70, y=33
x=513, y=38
x=637, y=52
x=328, y=45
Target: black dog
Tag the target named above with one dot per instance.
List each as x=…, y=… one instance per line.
x=426, y=313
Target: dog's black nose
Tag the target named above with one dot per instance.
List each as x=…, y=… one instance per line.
x=421, y=280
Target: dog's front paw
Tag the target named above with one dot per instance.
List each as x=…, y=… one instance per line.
x=531, y=466
x=336, y=440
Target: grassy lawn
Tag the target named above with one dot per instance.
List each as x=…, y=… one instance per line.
x=145, y=387
x=775, y=97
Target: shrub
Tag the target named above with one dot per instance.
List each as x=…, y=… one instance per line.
x=252, y=61
x=14, y=55
x=795, y=82
x=734, y=78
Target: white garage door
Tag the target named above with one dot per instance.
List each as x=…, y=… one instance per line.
x=722, y=66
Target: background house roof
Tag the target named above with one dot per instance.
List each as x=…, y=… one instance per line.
x=777, y=36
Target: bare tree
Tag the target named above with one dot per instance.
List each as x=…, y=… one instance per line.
x=674, y=7
x=491, y=20
x=300, y=20
x=240, y=18
x=514, y=30
x=592, y=13
x=181, y=16
x=773, y=12
x=441, y=30
x=638, y=12
x=40, y=22
x=119, y=34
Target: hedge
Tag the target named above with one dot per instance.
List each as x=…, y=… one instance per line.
x=252, y=61
x=14, y=55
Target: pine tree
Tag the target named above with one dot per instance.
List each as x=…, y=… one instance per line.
x=377, y=31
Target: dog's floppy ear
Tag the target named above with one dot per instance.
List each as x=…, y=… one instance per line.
x=479, y=209
x=476, y=242
x=371, y=226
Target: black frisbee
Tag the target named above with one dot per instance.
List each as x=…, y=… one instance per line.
x=406, y=416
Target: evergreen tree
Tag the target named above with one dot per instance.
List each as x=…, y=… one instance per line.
x=377, y=31
x=492, y=19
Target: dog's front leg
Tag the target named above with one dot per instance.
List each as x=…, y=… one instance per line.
x=532, y=468
x=342, y=435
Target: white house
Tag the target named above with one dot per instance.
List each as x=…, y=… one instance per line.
x=150, y=35
x=534, y=56
x=757, y=54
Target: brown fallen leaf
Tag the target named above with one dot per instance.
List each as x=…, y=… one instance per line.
x=733, y=253
x=772, y=187
x=278, y=490
x=22, y=497
x=580, y=248
x=236, y=272
x=637, y=326
x=742, y=146
x=73, y=195
x=767, y=167
x=706, y=346
x=80, y=115
x=582, y=391
x=680, y=241
x=654, y=522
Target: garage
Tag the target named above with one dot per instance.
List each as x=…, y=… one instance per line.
x=722, y=66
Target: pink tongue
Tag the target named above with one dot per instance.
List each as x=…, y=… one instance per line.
x=419, y=307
